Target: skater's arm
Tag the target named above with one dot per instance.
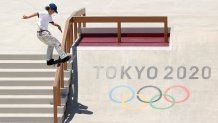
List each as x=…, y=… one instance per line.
x=30, y=16
x=54, y=24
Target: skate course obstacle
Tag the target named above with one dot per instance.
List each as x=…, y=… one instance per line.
x=95, y=40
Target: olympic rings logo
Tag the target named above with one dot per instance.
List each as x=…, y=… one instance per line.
x=167, y=97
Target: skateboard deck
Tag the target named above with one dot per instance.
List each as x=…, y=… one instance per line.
x=59, y=61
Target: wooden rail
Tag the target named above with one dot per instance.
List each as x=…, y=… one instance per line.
x=74, y=23
x=120, y=19
x=59, y=75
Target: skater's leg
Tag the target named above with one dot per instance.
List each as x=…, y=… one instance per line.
x=42, y=36
x=50, y=52
x=58, y=48
x=49, y=55
x=52, y=41
x=64, y=57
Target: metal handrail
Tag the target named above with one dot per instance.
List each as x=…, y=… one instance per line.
x=59, y=75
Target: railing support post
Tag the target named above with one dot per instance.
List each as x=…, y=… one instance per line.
x=84, y=23
x=79, y=25
x=65, y=66
x=119, y=32
x=166, y=31
x=75, y=30
x=71, y=36
x=59, y=93
x=62, y=76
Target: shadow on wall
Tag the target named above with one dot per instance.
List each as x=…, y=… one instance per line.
x=73, y=106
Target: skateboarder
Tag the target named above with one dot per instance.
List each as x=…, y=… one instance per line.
x=44, y=18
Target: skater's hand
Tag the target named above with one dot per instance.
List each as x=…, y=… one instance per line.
x=25, y=17
x=59, y=27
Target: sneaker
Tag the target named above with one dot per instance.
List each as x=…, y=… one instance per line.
x=50, y=62
x=66, y=58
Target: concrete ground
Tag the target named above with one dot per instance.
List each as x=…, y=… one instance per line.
x=195, y=29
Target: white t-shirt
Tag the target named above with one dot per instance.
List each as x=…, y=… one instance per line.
x=44, y=19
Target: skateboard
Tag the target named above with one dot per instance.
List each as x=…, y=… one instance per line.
x=59, y=61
